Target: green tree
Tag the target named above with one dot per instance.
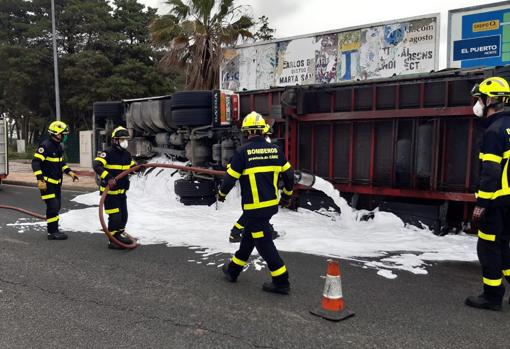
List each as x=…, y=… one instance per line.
x=194, y=34
x=265, y=32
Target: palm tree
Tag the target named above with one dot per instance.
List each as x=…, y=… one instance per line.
x=195, y=32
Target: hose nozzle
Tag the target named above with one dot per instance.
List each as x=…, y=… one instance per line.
x=304, y=179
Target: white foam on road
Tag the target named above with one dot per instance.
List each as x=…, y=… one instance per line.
x=384, y=242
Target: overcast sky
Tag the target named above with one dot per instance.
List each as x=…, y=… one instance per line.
x=296, y=17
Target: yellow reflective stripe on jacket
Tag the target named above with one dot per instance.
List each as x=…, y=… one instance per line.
x=484, y=195
x=113, y=210
x=49, y=196
x=233, y=173
x=238, y=226
x=53, y=219
x=36, y=173
x=279, y=271
x=492, y=282
x=39, y=156
x=488, y=237
x=506, y=272
x=287, y=192
x=54, y=159
x=506, y=155
x=494, y=195
x=491, y=157
x=101, y=160
x=257, y=234
x=52, y=181
x=238, y=261
x=117, y=167
x=104, y=174
x=262, y=204
x=132, y=163
x=286, y=167
x=113, y=192
x=262, y=169
x=65, y=167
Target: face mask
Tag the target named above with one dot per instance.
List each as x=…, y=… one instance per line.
x=123, y=144
x=479, y=109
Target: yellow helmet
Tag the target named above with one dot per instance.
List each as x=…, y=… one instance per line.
x=58, y=127
x=120, y=132
x=492, y=87
x=253, y=122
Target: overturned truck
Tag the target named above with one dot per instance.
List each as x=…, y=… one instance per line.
x=408, y=145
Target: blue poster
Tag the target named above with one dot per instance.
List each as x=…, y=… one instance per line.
x=485, y=39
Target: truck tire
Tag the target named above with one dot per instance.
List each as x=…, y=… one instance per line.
x=192, y=117
x=194, y=188
x=103, y=110
x=202, y=200
x=192, y=99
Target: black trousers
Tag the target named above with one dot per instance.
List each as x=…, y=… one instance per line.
x=257, y=234
x=116, y=209
x=494, y=251
x=52, y=198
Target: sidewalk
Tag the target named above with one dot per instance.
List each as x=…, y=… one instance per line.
x=20, y=173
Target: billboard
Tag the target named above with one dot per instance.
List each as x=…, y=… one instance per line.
x=479, y=36
x=380, y=50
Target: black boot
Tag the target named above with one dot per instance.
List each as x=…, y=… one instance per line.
x=113, y=246
x=276, y=288
x=481, y=302
x=58, y=235
x=236, y=235
x=227, y=273
x=122, y=238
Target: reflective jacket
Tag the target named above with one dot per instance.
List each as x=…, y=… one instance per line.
x=257, y=165
x=111, y=163
x=48, y=162
x=493, y=188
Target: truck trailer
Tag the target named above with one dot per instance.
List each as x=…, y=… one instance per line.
x=405, y=144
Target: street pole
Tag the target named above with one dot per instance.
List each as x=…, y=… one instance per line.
x=55, y=60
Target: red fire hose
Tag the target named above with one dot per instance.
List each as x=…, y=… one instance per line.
x=134, y=169
x=105, y=192
x=30, y=213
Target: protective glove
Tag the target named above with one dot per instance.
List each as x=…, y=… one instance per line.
x=41, y=184
x=285, y=200
x=477, y=218
x=220, y=196
x=73, y=176
x=112, y=183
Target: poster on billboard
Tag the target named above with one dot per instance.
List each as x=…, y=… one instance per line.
x=479, y=36
x=295, y=62
x=406, y=46
x=386, y=50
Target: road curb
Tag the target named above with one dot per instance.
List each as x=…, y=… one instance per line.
x=65, y=187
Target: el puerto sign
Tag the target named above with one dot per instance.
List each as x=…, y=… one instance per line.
x=479, y=36
x=477, y=48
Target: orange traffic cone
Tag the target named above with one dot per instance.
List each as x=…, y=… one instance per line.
x=332, y=306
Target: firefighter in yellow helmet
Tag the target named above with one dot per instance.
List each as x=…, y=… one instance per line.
x=108, y=165
x=491, y=215
x=257, y=165
x=48, y=165
x=237, y=230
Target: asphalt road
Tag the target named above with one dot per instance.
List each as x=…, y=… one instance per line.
x=79, y=294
